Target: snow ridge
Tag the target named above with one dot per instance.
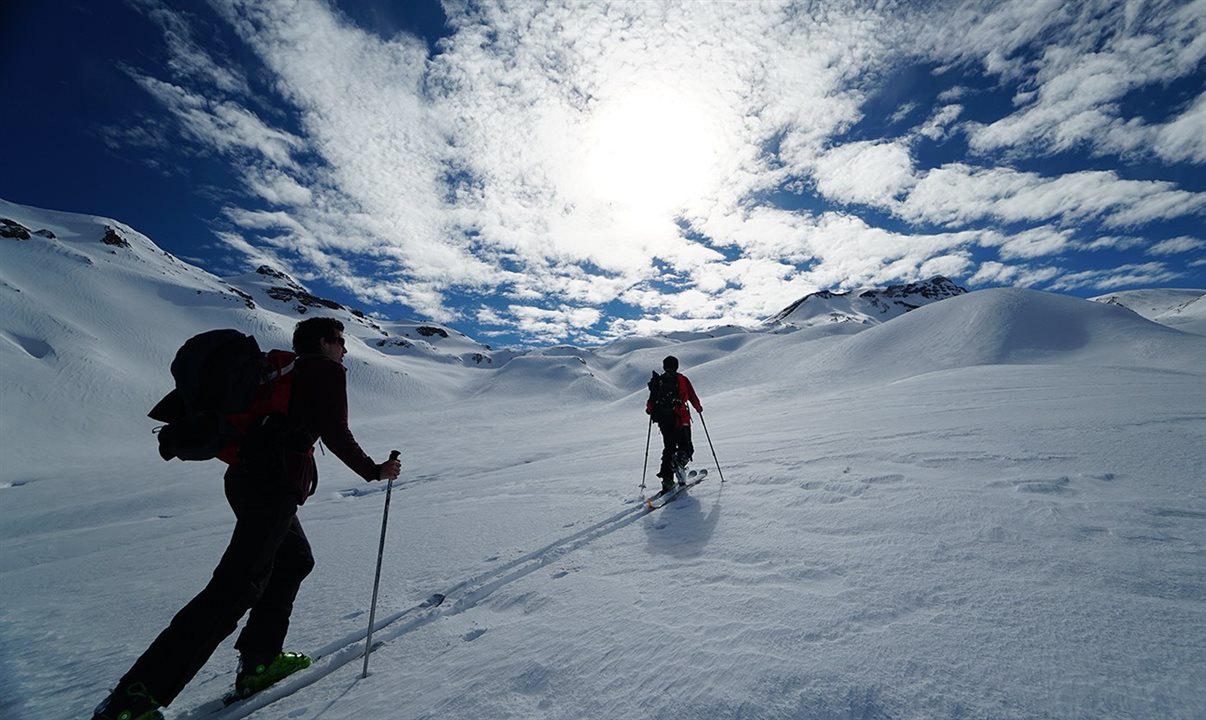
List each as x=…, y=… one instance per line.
x=1178, y=308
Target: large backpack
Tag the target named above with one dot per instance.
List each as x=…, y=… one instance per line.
x=225, y=386
x=664, y=400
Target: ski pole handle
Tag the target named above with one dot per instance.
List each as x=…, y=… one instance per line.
x=368, y=640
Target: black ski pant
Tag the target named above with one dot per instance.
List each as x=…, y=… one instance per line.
x=676, y=443
x=261, y=570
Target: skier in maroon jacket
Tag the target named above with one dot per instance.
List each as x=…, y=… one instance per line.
x=268, y=555
x=669, y=394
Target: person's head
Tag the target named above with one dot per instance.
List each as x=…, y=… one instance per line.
x=670, y=364
x=319, y=335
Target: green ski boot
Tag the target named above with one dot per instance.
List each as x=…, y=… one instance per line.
x=132, y=702
x=252, y=679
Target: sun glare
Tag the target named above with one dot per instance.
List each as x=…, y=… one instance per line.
x=650, y=152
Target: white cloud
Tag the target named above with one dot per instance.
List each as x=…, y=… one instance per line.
x=937, y=127
x=1093, y=58
x=996, y=273
x=1174, y=246
x=1184, y=138
x=563, y=156
x=223, y=125
x=903, y=112
x=871, y=173
x=954, y=265
x=958, y=194
x=550, y=325
x=1124, y=276
x=186, y=57
x=277, y=187
x=1033, y=243
x=1114, y=242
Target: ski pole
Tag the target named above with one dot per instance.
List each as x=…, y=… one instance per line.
x=368, y=643
x=645, y=467
x=712, y=447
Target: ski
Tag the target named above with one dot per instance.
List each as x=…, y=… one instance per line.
x=324, y=661
x=662, y=498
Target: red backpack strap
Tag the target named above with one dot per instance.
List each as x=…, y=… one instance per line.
x=271, y=397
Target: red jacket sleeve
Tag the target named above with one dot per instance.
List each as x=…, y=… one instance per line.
x=691, y=396
x=331, y=417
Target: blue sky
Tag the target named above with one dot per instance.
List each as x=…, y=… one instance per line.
x=572, y=172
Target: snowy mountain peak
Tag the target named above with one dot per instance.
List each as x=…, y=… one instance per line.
x=870, y=306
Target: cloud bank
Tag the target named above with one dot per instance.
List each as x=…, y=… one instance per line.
x=578, y=171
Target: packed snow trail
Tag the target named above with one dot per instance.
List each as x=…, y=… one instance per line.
x=327, y=660
x=466, y=595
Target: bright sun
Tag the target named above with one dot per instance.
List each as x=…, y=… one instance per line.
x=650, y=152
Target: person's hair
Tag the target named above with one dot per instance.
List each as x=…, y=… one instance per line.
x=309, y=332
x=670, y=363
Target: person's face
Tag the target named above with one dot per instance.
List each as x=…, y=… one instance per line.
x=334, y=348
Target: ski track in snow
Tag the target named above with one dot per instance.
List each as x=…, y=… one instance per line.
x=460, y=598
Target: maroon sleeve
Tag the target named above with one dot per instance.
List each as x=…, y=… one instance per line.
x=332, y=418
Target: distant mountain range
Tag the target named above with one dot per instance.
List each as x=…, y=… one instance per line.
x=92, y=312
x=269, y=301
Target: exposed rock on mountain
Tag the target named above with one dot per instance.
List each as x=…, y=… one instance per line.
x=868, y=306
x=112, y=237
x=13, y=229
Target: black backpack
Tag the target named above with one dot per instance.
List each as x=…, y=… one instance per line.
x=221, y=377
x=663, y=397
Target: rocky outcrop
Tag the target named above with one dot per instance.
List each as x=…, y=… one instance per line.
x=13, y=229
x=303, y=299
x=274, y=273
x=112, y=237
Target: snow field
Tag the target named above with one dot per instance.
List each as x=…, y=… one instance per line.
x=991, y=507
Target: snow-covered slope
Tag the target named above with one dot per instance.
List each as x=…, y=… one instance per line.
x=988, y=507
x=93, y=312
x=1014, y=326
x=1180, y=309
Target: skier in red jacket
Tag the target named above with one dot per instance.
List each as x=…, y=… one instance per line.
x=669, y=394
